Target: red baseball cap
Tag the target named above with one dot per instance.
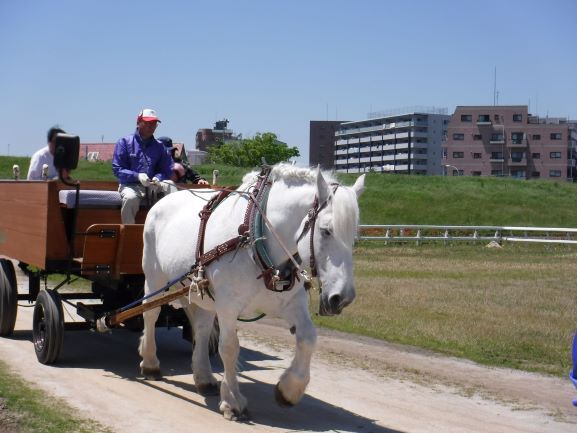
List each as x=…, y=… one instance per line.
x=148, y=115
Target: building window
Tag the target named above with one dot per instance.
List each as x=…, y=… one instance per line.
x=519, y=174
x=555, y=136
x=466, y=118
x=458, y=136
x=555, y=155
x=497, y=173
x=536, y=174
x=477, y=155
x=517, y=157
x=554, y=173
x=458, y=155
x=477, y=137
x=496, y=155
x=536, y=136
x=517, y=137
x=517, y=117
x=536, y=155
x=497, y=136
x=475, y=173
x=484, y=118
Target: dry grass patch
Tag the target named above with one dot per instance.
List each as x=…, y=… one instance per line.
x=515, y=306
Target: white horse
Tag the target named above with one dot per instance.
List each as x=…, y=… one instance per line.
x=170, y=238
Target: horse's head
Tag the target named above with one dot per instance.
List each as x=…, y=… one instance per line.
x=333, y=232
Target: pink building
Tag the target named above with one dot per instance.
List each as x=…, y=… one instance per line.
x=508, y=141
x=97, y=151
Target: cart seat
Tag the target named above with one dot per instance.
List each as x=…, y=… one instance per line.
x=90, y=198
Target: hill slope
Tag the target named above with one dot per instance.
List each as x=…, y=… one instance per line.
x=399, y=199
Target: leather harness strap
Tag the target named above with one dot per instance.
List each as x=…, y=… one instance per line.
x=246, y=232
x=253, y=217
x=310, y=225
x=202, y=258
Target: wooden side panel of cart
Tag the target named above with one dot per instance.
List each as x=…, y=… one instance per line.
x=31, y=225
x=112, y=249
x=35, y=227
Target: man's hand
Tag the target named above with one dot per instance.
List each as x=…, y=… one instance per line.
x=143, y=179
x=202, y=182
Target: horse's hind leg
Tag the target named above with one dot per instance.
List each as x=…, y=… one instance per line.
x=293, y=382
x=150, y=365
x=202, y=322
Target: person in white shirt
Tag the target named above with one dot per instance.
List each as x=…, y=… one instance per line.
x=42, y=162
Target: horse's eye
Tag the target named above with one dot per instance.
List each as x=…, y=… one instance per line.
x=326, y=232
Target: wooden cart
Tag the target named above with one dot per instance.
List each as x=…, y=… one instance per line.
x=49, y=227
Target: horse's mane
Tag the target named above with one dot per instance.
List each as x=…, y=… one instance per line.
x=290, y=173
x=345, y=207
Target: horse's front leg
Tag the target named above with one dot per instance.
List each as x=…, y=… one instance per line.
x=293, y=382
x=232, y=402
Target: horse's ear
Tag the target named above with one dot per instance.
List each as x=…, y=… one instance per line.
x=359, y=185
x=323, y=191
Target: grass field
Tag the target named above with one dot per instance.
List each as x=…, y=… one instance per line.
x=515, y=306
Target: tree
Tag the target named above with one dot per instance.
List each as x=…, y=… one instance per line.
x=249, y=152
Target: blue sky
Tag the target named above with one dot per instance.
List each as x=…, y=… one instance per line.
x=272, y=66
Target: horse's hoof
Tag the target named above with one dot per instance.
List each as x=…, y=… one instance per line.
x=151, y=373
x=235, y=415
x=280, y=398
x=207, y=389
x=242, y=416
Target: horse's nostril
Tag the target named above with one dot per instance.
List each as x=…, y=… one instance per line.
x=335, y=302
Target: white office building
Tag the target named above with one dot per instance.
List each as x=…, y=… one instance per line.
x=405, y=141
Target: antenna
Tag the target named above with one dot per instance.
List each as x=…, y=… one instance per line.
x=495, y=87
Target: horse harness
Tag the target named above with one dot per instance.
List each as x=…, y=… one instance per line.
x=250, y=231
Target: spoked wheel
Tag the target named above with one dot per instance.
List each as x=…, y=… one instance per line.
x=48, y=326
x=8, y=297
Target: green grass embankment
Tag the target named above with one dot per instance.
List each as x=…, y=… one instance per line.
x=399, y=199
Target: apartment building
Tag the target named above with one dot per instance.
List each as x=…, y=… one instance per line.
x=508, y=141
x=407, y=141
x=322, y=142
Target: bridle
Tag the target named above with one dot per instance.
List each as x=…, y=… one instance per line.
x=309, y=225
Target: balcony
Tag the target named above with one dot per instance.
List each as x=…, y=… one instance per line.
x=517, y=142
x=522, y=162
x=484, y=119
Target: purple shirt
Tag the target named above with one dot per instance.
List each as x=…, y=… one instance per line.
x=132, y=156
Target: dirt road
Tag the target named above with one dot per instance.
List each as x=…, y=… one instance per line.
x=357, y=385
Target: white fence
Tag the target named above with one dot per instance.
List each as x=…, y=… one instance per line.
x=420, y=233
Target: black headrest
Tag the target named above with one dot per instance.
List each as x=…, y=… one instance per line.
x=66, y=151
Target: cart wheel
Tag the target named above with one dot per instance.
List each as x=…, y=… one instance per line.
x=48, y=326
x=8, y=297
